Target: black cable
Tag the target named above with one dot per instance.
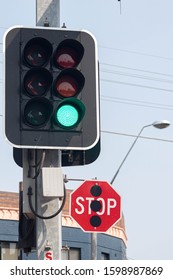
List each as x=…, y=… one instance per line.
x=38, y=165
x=30, y=229
x=30, y=193
x=40, y=162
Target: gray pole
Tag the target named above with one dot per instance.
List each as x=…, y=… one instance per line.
x=49, y=193
x=48, y=231
x=94, y=246
x=48, y=13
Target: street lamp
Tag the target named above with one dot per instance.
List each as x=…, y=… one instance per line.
x=158, y=124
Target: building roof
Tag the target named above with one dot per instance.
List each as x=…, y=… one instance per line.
x=9, y=199
x=9, y=210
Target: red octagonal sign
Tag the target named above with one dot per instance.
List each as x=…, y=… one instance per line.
x=95, y=206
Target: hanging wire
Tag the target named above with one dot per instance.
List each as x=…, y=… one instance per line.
x=120, y=5
x=37, y=166
x=30, y=193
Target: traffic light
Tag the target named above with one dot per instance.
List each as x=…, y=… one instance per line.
x=51, y=89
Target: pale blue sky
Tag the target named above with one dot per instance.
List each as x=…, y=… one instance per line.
x=136, y=81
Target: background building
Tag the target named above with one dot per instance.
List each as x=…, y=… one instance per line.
x=76, y=244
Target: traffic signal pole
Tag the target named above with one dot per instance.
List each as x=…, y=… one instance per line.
x=43, y=199
x=48, y=13
x=48, y=230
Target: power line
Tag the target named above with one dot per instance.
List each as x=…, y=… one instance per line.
x=137, y=85
x=136, y=69
x=136, y=52
x=137, y=103
x=137, y=76
x=132, y=135
x=140, y=101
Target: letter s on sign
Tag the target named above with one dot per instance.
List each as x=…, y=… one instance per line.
x=81, y=210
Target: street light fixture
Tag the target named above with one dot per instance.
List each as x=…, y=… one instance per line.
x=157, y=124
x=161, y=124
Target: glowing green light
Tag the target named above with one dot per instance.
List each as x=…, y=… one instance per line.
x=69, y=113
x=67, y=116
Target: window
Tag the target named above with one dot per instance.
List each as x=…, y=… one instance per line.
x=75, y=254
x=71, y=253
x=8, y=251
x=105, y=256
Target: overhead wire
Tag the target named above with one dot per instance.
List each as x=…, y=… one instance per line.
x=136, y=52
x=136, y=76
x=137, y=102
x=133, y=72
x=133, y=135
x=135, y=69
x=137, y=85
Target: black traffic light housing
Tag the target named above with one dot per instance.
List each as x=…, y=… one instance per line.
x=51, y=89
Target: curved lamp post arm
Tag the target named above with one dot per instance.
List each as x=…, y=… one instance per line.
x=158, y=124
x=128, y=152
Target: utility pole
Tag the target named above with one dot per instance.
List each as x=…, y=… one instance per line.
x=48, y=230
x=48, y=13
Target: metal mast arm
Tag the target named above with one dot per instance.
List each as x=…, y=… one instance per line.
x=114, y=177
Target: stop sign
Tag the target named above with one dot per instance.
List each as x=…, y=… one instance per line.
x=95, y=206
